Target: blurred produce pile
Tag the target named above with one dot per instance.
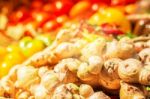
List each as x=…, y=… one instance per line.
x=74, y=66
x=21, y=18
x=75, y=49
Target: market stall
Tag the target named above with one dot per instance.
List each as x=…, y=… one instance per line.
x=75, y=49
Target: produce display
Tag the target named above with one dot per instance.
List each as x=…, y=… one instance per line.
x=60, y=70
x=75, y=49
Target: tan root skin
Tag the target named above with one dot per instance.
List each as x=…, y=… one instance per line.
x=61, y=69
x=129, y=70
x=109, y=77
x=128, y=91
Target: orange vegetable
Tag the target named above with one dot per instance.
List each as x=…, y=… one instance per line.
x=79, y=8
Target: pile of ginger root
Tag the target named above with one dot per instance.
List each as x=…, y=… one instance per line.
x=74, y=68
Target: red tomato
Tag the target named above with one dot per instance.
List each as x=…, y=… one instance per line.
x=36, y=4
x=48, y=8
x=61, y=19
x=41, y=17
x=101, y=1
x=111, y=29
x=50, y=25
x=122, y=2
x=20, y=15
x=62, y=7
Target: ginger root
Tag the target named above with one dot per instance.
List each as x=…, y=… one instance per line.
x=129, y=70
x=26, y=77
x=132, y=71
x=144, y=75
x=145, y=55
x=120, y=49
x=128, y=91
x=109, y=77
x=72, y=91
x=99, y=95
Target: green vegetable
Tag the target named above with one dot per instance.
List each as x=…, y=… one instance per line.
x=30, y=46
x=128, y=34
x=45, y=38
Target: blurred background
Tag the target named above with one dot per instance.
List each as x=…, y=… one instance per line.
x=29, y=26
